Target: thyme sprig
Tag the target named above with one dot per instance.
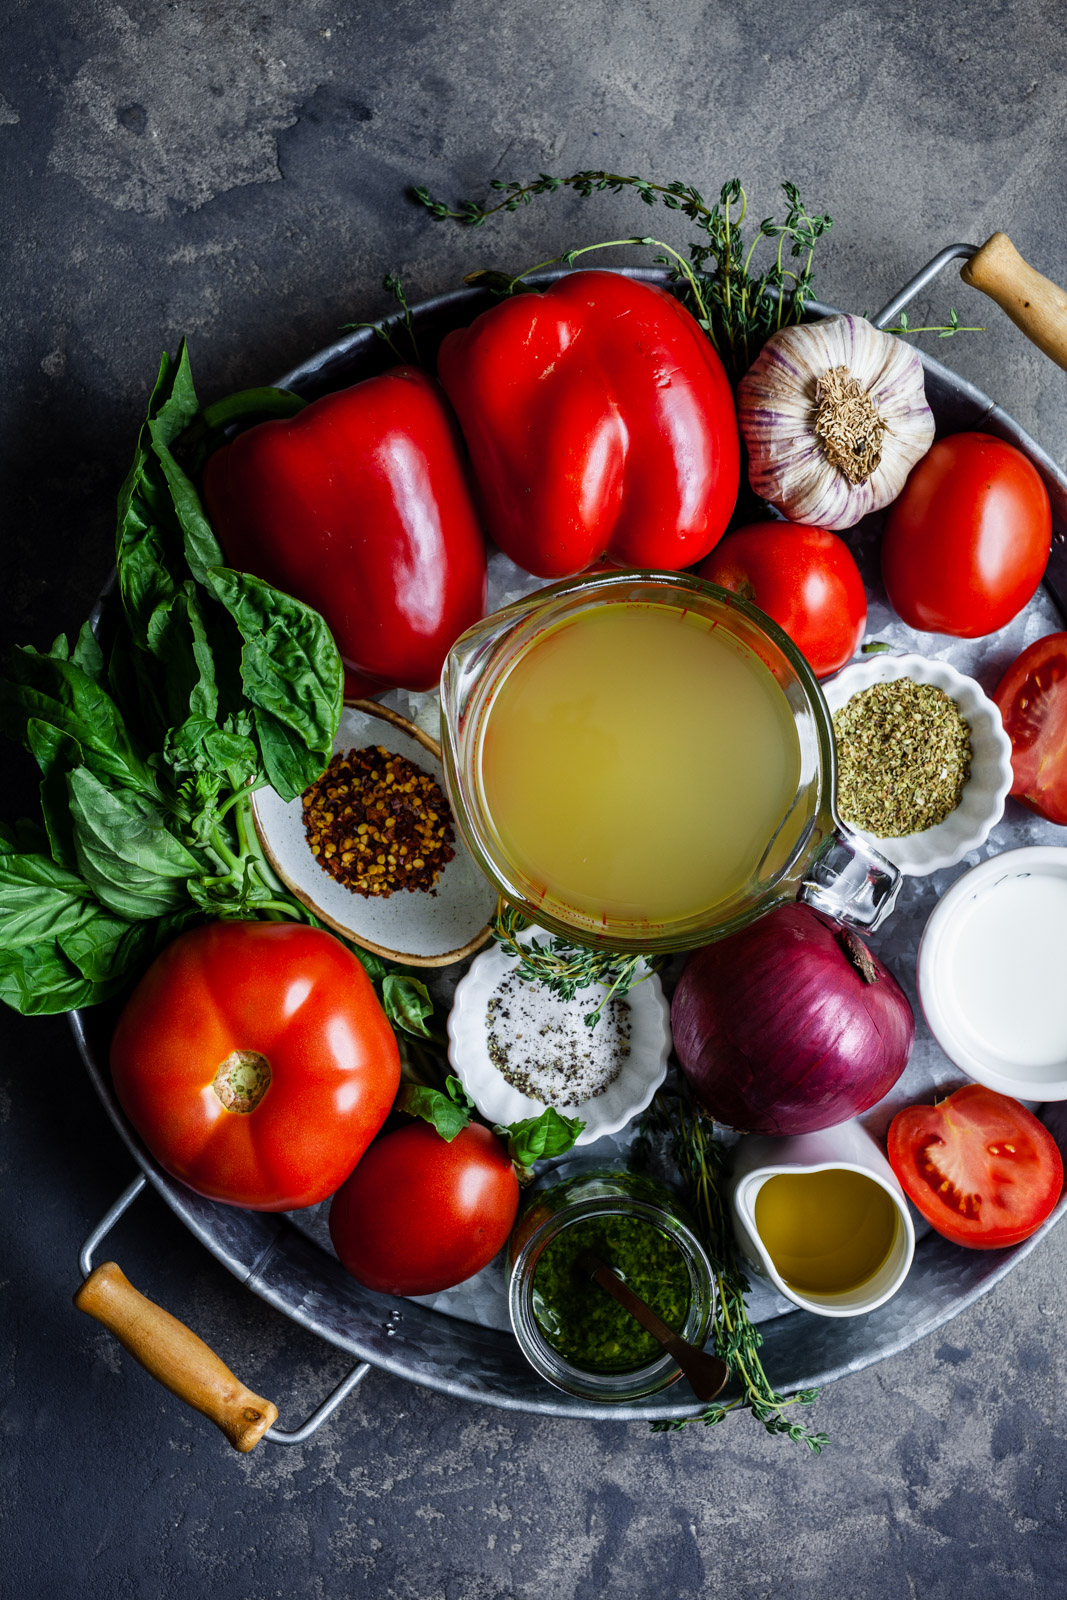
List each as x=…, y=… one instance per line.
x=737, y=307
x=564, y=968
x=393, y=284
x=944, y=330
x=701, y=1160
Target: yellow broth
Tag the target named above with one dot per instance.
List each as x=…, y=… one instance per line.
x=637, y=761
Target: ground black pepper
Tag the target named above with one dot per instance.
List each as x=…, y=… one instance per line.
x=542, y=1046
x=377, y=823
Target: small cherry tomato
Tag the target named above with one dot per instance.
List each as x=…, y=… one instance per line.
x=981, y=1168
x=967, y=540
x=256, y=1063
x=1032, y=696
x=804, y=578
x=421, y=1213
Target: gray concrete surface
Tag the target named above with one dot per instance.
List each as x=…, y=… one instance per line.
x=237, y=173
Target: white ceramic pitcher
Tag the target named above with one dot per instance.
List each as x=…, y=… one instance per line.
x=847, y=1147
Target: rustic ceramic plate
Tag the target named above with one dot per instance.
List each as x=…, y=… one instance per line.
x=420, y=928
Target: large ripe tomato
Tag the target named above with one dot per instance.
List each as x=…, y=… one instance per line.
x=420, y=1213
x=805, y=578
x=1032, y=697
x=967, y=541
x=256, y=1063
x=980, y=1167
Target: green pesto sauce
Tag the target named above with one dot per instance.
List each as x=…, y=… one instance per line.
x=581, y=1320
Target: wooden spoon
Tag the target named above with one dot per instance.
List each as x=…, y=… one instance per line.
x=706, y=1373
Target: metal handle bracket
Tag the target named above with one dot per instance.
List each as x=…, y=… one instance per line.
x=277, y=1435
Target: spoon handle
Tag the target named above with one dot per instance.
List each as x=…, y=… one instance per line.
x=707, y=1374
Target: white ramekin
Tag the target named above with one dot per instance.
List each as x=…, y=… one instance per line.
x=1014, y=984
x=982, y=801
x=641, y=1075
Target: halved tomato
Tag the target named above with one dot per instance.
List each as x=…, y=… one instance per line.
x=981, y=1168
x=1032, y=696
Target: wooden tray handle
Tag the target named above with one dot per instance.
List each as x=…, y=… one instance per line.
x=175, y=1357
x=1034, y=303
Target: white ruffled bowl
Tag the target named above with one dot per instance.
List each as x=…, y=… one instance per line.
x=981, y=804
x=498, y=1101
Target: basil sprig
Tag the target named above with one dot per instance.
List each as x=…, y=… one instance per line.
x=213, y=685
x=533, y=1139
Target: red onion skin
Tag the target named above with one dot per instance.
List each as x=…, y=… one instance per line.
x=778, y=1031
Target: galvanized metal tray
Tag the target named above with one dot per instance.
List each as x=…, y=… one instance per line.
x=285, y=1262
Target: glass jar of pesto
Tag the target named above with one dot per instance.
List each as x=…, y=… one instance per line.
x=569, y=1329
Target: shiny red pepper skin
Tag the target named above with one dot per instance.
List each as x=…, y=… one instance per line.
x=599, y=421
x=360, y=506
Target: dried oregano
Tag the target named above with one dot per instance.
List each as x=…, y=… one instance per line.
x=904, y=755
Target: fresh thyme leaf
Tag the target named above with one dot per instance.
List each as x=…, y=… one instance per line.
x=701, y=1160
x=565, y=968
x=393, y=284
x=737, y=308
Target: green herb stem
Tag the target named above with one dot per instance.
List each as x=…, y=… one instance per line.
x=701, y=1160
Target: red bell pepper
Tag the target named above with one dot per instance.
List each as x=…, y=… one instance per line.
x=599, y=420
x=360, y=506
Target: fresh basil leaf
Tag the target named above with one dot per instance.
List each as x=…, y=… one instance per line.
x=107, y=949
x=56, y=753
x=88, y=655
x=539, y=1138
x=38, y=980
x=434, y=1107
x=133, y=863
x=289, y=766
x=202, y=549
x=93, y=947
x=455, y=1090
x=130, y=675
x=292, y=675
x=200, y=745
x=177, y=637
x=63, y=695
x=150, y=542
x=40, y=900
x=407, y=1003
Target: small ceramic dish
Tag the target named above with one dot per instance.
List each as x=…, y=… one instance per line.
x=498, y=1101
x=416, y=927
x=981, y=804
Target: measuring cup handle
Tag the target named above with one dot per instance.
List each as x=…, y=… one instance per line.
x=849, y=881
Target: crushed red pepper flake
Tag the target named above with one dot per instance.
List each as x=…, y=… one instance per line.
x=378, y=823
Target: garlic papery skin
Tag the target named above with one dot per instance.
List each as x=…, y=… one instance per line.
x=834, y=415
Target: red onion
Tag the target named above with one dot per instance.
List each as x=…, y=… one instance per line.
x=790, y=1025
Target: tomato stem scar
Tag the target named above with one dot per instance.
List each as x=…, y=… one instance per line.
x=242, y=1080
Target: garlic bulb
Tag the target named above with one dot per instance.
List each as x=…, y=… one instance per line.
x=834, y=415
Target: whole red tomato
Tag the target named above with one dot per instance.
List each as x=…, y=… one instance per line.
x=1032, y=697
x=981, y=1168
x=967, y=541
x=256, y=1063
x=805, y=578
x=420, y=1213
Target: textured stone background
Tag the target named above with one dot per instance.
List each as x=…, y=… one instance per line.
x=236, y=172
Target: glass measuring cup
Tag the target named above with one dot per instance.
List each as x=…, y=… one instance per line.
x=810, y=854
